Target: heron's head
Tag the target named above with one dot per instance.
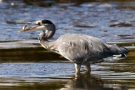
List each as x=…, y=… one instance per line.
x=40, y=25
x=45, y=25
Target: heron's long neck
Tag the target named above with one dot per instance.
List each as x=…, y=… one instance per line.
x=44, y=36
x=47, y=34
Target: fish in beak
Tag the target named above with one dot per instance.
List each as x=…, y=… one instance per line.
x=28, y=29
x=32, y=28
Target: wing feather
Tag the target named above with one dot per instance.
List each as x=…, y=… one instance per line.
x=81, y=48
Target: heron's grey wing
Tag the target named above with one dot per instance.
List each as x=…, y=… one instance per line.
x=72, y=51
x=79, y=48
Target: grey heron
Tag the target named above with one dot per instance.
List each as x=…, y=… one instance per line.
x=78, y=48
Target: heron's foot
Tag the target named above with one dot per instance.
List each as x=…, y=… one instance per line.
x=77, y=75
x=88, y=68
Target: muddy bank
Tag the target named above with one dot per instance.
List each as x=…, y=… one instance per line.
x=37, y=54
x=19, y=51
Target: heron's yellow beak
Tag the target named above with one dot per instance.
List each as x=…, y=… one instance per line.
x=28, y=29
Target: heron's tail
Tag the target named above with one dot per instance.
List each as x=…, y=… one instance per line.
x=118, y=50
x=124, y=50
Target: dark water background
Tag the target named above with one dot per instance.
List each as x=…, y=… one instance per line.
x=25, y=65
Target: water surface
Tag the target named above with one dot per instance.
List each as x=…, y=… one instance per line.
x=25, y=65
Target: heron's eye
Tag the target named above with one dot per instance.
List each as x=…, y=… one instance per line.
x=38, y=23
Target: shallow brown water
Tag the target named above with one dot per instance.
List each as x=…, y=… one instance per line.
x=25, y=65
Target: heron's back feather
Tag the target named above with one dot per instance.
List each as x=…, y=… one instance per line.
x=82, y=48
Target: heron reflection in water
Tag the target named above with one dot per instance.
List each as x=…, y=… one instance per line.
x=78, y=48
x=92, y=82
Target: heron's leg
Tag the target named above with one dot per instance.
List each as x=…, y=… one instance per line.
x=88, y=68
x=77, y=68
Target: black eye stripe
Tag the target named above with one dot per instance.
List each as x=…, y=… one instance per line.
x=39, y=23
x=46, y=22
